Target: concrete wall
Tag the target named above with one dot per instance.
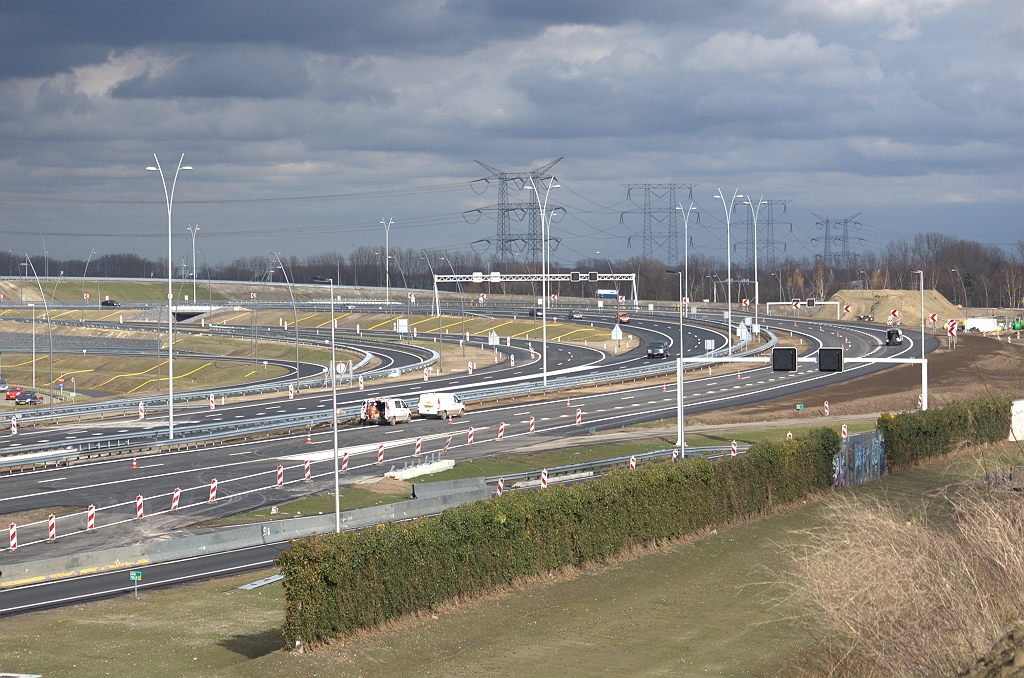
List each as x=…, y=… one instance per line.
x=446, y=495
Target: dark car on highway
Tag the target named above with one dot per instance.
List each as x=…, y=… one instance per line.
x=110, y=302
x=28, y=398
x=657, y=349
x=575, y=315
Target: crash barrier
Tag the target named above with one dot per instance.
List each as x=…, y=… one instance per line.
x=912, y=437
x=213, y=432
x=336, y=584
x=231, y=538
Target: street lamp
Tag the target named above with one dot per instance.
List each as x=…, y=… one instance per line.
x=728, y=251
x=778, y=276
x=387, y=258
x=544, y=235
x=169, y=198
x=462, y=303
x=193, y=231
x=680, y=426
x=334, y=420
x=966, y=302
x=33, y=307
x=295, y=315
x=756, y=211
x=83, y=285
x=924, y=365
x=437, y=299
x=686, y=246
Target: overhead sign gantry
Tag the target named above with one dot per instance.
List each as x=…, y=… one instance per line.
x=573, y=277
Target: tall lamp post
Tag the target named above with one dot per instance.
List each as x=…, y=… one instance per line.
x=686, y=247
x=334, y=420
x=387, y=258
x=193, y=231
x=545, y=227
x=966, y=304
x=83, y=282
x=295, y=315
x=440, y=336
x=728, y=251
x=681, y=426
x=169, y=198
x=924, y=365
x=462, y=303
x=755, y=210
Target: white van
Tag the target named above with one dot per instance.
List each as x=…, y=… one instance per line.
x=433, y=404
x=384, y=411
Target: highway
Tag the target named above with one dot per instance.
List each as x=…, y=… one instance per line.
x=246, y=471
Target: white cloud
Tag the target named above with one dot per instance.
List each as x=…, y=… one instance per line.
x=902, y=16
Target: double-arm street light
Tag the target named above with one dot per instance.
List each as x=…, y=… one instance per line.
x=169, y=198
x=924, y=365
x=462, y=303
x=680, y=426
x=387, y=258
x=686, y=246
x=295, y=314
x=545, y=227
x=728, y=251
x=755, y=209
x=334, y=420
x=440, y=336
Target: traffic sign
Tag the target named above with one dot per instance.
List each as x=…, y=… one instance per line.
x=136, y=575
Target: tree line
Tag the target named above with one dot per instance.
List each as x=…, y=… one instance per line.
x=964, y=271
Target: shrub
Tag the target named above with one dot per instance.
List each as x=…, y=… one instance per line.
x=911, y=437
x=337, y=583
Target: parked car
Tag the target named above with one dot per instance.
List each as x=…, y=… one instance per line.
x=384, y=411
x=110, y=302
x=622, y=317
x=14, y=391
x=441, y=405
x=28, y=398
x=657, y=349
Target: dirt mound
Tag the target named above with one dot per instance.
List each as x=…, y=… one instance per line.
x=880, y=303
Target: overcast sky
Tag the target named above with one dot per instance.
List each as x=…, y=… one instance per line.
x=307, y=122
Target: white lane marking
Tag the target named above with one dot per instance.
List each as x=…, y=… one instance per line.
x=626, y=397
x=51, y=480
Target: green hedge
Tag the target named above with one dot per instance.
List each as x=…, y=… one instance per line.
x=911, y=437
x=337, y=583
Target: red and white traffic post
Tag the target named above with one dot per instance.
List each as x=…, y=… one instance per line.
x=52, y=527
x=380, y=453
x=307, y=475
x=632, y=463
x=213, y=402
x=360, y=382
x=845, y=432
x=14, y=536
x=280, y=475
x=544, y=479
x=175, y=499
x=501, y=486
x=291, y=391
x=733, y=449
x=419, y=447
x=142, y=410
x=579, y=416
x=213, y=490
x=14, y=424
x=501, y=431
x=90, y=520
x=139, y=514
x=533, y=428
x=446, y=444
x=344, y=461
x=826, y=408
x=469, y=439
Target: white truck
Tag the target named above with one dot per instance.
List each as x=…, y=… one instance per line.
x=384, y=411
x=441, y=405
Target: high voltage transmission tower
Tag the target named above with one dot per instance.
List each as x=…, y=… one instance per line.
x=659, y=210
x=765, y=232
x=505, y=240
x=842, y=260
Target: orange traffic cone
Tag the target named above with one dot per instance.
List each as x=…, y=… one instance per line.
x=664, y=388
x=567, y=402
x=739, y=376
x=135, y=462
x=309, y=437
x=450, y=422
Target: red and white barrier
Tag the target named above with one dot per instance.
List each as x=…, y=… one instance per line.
x=501, y=486
x=920, y=399
x=306, y=472
x=291, y=391
x=419, y=447
x=14, y=536
x=632, y=463
x=175, y=499
x=469, y=368
x=139, y=514
x=360, y=383
x=14, y=425
x=567, y=403
x=426, y=374
x=533, y=428
x=380, y=453
x=344, y=461
x=90, y=520
x=213, y=490
x=844, y=432
x=544, y=479
x=579, y=416
x=280, y=475
x=470, y=438
x=789, y=435
x=733, y=452
x=501, y=431
x=446, y=444
x=52, y=525
x=142, y=410
x=213, y=402
x=675, y=455
x=826, y=408
x=532, y=354
x=511, y=360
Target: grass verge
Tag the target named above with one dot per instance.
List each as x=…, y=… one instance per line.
x=352, y=497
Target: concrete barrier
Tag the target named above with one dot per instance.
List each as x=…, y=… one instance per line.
x=452, y=494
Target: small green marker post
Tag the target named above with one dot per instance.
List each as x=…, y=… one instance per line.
x=136, y=577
